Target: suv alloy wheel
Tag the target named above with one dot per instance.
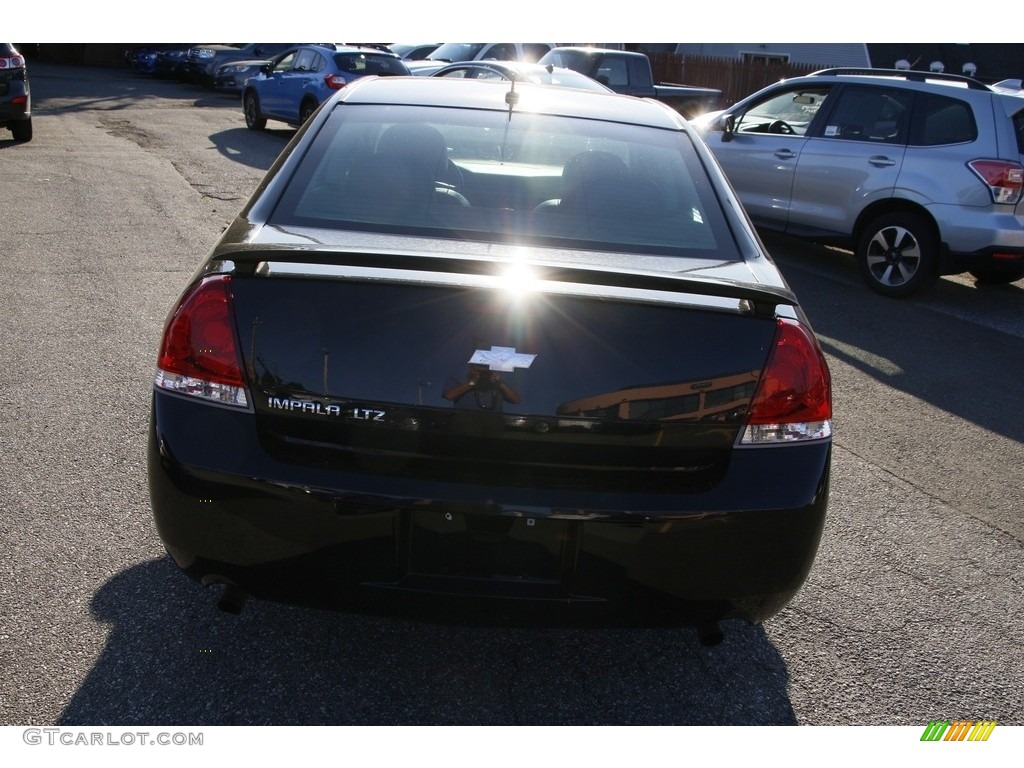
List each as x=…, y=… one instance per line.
x=897, y=254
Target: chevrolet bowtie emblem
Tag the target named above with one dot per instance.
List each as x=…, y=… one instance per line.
x=504, y=359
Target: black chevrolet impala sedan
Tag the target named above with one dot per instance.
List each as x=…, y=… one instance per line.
x=471, y=342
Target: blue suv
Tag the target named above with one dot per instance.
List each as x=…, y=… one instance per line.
x=293, y=85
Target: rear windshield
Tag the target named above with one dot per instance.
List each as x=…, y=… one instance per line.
x=456, y=52
x=1018, y=129
x=370, y=64
x=581, y=61
x=524, y=178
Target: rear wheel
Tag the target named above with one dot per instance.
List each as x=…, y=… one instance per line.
x=22, y=130
x=306, y=111
x=251, y=108
x=898, y=254
x=997, y=277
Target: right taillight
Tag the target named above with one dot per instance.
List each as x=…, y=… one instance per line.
x=793, y=401
x=1003, y=178
x=199, y=352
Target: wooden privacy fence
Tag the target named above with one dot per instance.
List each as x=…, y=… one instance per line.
x=733, y=77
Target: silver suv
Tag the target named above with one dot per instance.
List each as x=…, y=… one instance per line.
x=919, y=173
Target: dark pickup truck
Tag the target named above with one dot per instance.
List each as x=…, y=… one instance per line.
x=630, y=73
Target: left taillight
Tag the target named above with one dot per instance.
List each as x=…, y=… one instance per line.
x=335, y=82
x=793, y=401
x=199, y=354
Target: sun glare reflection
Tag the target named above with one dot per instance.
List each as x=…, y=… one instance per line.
x=519, y=280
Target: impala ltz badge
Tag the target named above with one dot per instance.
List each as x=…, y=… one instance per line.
x=504, y=359
x=317, y=408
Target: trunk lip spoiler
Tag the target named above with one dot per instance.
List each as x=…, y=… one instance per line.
x=762, y=299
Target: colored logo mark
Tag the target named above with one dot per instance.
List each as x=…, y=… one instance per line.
x=958, y=730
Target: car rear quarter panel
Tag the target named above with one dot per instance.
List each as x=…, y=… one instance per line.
x=938, y=179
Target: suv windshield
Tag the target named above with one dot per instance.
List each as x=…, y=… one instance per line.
x=479, y=175
x=795, y=108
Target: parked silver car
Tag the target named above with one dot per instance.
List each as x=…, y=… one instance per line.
x=919, y=173
x=521, y=71
x=447, y=53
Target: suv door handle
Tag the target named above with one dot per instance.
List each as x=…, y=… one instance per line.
x=785, y=154
x=881, y=161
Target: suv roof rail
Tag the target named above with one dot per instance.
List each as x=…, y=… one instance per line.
x=907, y=74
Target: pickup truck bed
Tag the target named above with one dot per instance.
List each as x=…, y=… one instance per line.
x=630, y=73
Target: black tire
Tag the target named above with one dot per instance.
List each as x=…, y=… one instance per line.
x=22, y=130
x=254, y=119
x=898, y=254
x=306, y=111
x=997, y=277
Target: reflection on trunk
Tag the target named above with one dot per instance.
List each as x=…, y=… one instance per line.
x=724, y=398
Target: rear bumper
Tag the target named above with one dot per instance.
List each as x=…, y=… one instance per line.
x=995, y=259
x=228, y=513
x=981, y=239
x=15, y=105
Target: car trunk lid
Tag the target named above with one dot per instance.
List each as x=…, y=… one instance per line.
x=553, y=383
